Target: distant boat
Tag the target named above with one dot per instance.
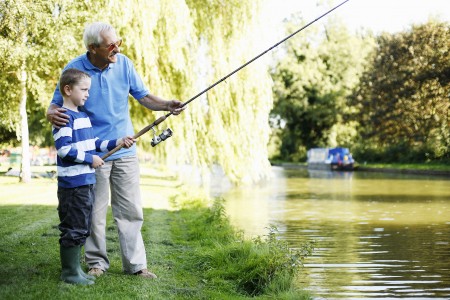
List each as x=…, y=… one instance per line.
x=339, y=159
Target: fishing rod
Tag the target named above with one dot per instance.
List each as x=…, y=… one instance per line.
x=168, y=132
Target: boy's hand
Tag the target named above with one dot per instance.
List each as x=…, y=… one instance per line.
x=97, y=161
x=127, y=141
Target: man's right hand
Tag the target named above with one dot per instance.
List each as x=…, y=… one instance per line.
x=56, y=116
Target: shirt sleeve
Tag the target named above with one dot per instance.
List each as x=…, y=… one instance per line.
x=65, y=148
x=57, y=97
x=104, y=145
x=137, y=87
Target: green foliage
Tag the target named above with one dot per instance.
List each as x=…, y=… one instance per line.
x=403, y=99
x=179, y=48
x=230, y=123
x=312, y=84
x=400, y=152
x=35, y=37
x=265, y=265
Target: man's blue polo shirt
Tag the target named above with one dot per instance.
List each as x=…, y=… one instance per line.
x=107, y=105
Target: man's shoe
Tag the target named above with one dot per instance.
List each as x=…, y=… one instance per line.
x=96, y=272
x=146, y=274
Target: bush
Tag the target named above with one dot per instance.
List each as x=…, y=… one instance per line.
x=397, y=153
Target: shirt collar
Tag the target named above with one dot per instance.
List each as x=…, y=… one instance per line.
x=89, y=66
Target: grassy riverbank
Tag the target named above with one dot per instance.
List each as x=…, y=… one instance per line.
x=432, y=169
x=415, y=166
x=412, y=168
x=189, y=241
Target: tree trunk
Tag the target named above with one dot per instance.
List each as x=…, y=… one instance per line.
x=25, y=166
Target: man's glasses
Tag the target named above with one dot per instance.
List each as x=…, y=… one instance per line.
x=112, y=46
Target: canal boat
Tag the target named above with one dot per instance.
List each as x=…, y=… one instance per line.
x=335, y=159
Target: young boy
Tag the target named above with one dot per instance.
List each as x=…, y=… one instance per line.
x=76, y=161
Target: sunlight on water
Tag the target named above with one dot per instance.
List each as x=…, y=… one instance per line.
x=377, y=235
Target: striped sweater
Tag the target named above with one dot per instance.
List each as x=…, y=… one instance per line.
x=75, y=144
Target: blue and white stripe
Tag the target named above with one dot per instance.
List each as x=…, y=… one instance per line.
x=75, y=144
x=74, y=170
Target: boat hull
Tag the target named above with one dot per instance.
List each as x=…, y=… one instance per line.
x=332, y=167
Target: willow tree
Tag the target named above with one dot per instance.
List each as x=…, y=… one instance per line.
x=180, y=48
x=233, y=121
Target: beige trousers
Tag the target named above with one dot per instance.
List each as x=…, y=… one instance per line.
x=121, y=177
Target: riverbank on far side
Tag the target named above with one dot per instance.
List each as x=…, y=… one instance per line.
x=418, y=169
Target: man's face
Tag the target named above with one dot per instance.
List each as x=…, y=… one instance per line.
x=107, y=50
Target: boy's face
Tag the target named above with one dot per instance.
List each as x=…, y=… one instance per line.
x=79, y=92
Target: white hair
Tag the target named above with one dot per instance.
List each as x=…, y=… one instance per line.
x=91, y=35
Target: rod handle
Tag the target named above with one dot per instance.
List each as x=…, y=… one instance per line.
x=143, y=131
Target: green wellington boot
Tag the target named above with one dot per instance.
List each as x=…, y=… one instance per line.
x=70, y=263
x=80, y=270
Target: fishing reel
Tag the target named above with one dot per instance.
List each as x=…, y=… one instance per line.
x=162, y=137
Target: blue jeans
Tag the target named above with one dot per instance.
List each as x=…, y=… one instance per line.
x=75, y=213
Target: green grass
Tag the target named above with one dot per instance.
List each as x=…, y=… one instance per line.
x=189, y=241
x=432, y=166
x=424, y=166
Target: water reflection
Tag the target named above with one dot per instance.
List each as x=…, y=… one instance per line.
x=378, y=235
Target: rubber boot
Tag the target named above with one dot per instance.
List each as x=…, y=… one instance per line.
x=70, y=263
x=80, y=270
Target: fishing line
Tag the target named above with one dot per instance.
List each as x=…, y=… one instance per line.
x=168, y=133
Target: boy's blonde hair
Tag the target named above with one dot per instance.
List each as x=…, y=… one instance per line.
x=71, y=77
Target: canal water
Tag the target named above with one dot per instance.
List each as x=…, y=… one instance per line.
x=377, y=236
